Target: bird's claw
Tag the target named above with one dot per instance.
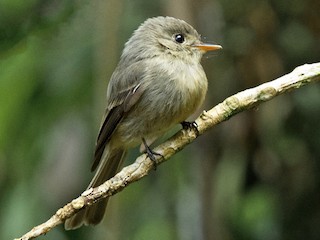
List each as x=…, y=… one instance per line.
x=151, y=154
x=190, y=125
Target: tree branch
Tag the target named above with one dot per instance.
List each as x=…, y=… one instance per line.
x=208, y=119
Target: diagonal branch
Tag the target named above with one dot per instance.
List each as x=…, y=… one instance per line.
x=208, y=119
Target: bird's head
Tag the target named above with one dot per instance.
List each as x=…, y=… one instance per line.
x=166, y=36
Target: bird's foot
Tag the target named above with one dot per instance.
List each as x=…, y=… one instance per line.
x=190, y=125
x=151, y=154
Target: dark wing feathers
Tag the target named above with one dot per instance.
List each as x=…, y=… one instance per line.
x=114, y=114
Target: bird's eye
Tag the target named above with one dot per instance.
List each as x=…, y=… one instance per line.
x=179, y=38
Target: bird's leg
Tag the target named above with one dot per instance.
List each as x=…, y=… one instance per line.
x=190, y=125
x=151, y=154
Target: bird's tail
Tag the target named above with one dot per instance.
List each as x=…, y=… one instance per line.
x=108, y=167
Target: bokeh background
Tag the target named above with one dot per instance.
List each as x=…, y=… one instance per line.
x=256, y=176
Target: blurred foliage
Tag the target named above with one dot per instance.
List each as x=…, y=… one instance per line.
x=256, y=176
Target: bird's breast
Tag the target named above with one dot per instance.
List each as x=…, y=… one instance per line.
x=172, y=92
x=179, y=89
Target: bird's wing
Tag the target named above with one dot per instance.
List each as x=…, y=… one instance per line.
x=116, y=109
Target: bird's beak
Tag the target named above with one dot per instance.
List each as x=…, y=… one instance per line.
x=207, y=46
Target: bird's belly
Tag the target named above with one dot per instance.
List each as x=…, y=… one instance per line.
x=158, y=110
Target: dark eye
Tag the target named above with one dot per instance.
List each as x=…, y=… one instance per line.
x=179, y=38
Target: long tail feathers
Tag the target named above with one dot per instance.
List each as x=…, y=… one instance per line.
x=108, y=167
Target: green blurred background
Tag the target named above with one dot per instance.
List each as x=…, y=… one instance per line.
x=256, y=176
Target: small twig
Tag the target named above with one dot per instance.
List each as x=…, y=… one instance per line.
x=141, y=167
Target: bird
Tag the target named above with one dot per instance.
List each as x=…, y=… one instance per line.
x=158, y=83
